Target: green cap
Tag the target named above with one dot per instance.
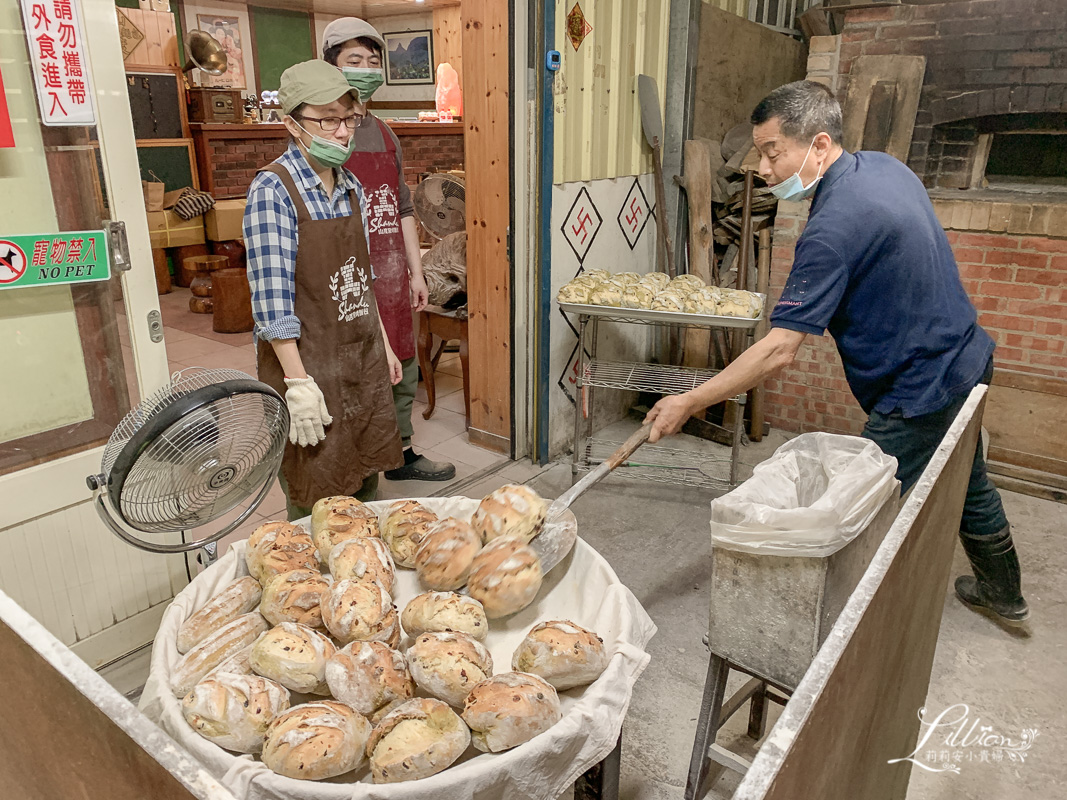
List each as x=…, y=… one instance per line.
x=314, y=82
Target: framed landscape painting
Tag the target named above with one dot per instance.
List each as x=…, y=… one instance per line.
x=409, y=57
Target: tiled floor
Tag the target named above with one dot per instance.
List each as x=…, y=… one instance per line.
x=191, y=342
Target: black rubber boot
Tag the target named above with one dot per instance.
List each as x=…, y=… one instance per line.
x=996, y=584
x=420, y=468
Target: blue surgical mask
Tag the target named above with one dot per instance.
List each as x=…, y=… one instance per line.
x=328, y=152
x=792, y=188
x=365, y=80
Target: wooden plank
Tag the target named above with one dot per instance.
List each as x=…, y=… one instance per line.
x=448, y=38
x=1042, y=384
x=168, y=36
x=865, y=687
x=139, y=56
x=1030, y=488
x=488, y=179
x=1027, y=474
x=905, y=73
x=153, y=38
x=696, y=180
x=1027, y=421
x=763, y=277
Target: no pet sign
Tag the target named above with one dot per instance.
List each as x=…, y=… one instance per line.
x=44, y=259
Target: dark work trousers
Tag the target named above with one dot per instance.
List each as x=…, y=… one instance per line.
x=913, y=442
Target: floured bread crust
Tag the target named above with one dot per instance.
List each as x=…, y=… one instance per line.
x=363, y=559
x=444, y=557
x=361, y=610
x=295, y=656
x=233, y=711
x=316, y=740
x=505, y=577
x=563, y=653
x=416, y=740
x=338, y=519
x=238, y=598
x=448, y=665
x=444, y=611
x=510, y=512
x=277, y=547
x=509, y=709
x=294, y=597
x=404, y=528
x=212, y=651
x=369, y=675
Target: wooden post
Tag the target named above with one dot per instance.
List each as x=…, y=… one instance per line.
x=696, y=181
x=763, y=279
x=488, y=179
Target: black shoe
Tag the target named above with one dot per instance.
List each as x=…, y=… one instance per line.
x=422, y=469
x=996, y=584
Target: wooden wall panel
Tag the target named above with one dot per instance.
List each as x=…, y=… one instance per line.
x=486, y=126
x=448, y=38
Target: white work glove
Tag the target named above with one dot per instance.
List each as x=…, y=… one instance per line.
x=307, y=411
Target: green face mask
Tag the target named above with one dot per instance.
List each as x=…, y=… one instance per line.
x=326, y=152
x=364, y=80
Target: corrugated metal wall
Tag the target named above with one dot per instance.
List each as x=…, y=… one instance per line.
x=597, y=121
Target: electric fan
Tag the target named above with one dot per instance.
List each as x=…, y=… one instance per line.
x=189, y=454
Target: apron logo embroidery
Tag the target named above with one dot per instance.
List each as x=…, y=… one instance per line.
x=384, y=211
x=355, y=285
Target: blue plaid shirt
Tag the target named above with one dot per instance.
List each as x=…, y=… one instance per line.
x=270, y=231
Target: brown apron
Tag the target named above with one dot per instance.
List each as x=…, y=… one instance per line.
x=342, y=349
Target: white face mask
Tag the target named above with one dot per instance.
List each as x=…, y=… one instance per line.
x=793, y=188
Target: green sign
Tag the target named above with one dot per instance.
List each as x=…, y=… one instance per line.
x=45, y=259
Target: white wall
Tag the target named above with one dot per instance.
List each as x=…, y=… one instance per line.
x=398, y=23
x=226, y=10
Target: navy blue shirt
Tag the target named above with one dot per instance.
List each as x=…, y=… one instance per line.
x=874, y=268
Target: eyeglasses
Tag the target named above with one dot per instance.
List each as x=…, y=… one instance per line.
x=330, y=124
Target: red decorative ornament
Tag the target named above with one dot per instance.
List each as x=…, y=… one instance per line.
x=578, y=26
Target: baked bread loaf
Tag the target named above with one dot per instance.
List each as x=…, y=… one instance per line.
x=363, y=560
x=369, y=675
x=316, y=740
x=277, y=547
x=444, y=611
x=657, y=281
x=564, y=654
x=335, y=519
x=227, y=641
x=233, y=711
x=416, y=740
x=237, y=664
x=381, y=713
x=575, y=293
x=510, y=512
x=238, y=598
x=669, y=300
x=703, y=301
x=507, y=710
x=295, y=656
x=638, y=295
x=355, y=610
x=405, y=526
x=444, y=558
x=447, y=665
x=505, y=577
x=294, y=597
x=608, y=293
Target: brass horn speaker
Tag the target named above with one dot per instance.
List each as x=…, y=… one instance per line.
x=205, y=53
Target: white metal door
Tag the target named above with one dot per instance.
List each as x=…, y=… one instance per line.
x=74, y=358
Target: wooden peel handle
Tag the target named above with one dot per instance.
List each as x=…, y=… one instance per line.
x=628, y=447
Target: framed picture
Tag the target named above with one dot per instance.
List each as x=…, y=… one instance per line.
x=409, y=57
x=227, y=31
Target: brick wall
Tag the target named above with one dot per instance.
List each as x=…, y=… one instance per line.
x=424, y=154
x=236, y=161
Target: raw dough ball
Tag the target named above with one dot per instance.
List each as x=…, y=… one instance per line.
x=507, y=710
x=335, y=519
x=505, y=577
x=703, y=301
x=363, y=559
x=447, y=665
x=687, y=283
x=444, y=558
x=608, y=293
x=233, y=711
x=444, y=611
x=626, y=278
x=598, y=275
x=638, y=295
x=564, y=654
x=575, y=293
x=316, y=740
x=294, y=597
x=295, y=656
x=669, y=300
x=361, y=610
x=369, y=675
x=510, y=512
x=277, y=547
x=657, y=281
x=416, y=740
x=740, y=304
x=405, y=526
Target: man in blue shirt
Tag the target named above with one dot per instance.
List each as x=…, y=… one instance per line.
x=874, y=268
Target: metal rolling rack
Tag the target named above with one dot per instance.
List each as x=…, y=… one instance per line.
x=653, y=463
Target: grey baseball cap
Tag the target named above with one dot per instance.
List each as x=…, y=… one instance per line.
x=342, y=30
x=314, y=82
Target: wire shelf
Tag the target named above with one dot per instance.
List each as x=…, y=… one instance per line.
x=644, y=316
x=664, y=465
x=642, y=377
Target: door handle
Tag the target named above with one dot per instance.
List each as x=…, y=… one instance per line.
x=118, y=248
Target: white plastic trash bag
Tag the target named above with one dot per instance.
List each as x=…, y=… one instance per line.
x=811, y=498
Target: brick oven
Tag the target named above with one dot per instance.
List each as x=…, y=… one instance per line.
x=990, y=144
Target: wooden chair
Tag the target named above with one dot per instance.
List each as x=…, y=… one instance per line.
x=448, y=326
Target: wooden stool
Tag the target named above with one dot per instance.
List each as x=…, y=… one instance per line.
x=447, y=325
x=201, y=301
x=182, y=276
x=159, y=261
x=233, y=301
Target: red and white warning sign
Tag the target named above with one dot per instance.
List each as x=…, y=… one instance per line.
x=12, y=262
x=60, y=65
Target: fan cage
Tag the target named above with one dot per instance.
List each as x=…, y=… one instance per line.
x=440, y=204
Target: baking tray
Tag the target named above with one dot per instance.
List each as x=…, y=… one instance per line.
x=666, y=317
